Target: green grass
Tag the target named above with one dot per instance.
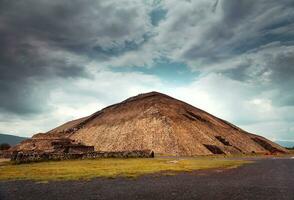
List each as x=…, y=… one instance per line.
x=110, y=168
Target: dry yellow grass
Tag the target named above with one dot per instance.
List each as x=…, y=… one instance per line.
x=4, y=161
x=88, y=169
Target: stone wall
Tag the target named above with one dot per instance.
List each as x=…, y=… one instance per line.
x=27, y=157
x=5, y=154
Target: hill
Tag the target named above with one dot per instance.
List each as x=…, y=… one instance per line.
x=11, y=139
x=285, y=143
x=161, y=123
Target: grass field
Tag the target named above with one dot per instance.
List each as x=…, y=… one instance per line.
x=111, y=168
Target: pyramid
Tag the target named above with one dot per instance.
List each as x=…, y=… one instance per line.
x=163, y=124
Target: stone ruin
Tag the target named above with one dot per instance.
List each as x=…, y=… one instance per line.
x=66, y=146
x=27, y=157
x=5, y=154
x=66, y=149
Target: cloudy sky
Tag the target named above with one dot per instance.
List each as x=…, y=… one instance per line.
x=60, y=60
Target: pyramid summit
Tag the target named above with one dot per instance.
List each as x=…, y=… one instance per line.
x=160, y=123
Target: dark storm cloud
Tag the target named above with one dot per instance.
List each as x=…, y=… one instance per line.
x=21, y=63
x=280, y=66
x=275, y=63
x=215, y=5
x=236, y=11
x=253, y=40
x=273, y=67
x=75, y=26
x=41, y=40
x=242, y=26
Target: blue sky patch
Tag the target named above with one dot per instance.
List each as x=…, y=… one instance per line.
x=169, y=72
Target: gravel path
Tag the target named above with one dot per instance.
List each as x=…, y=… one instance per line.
x=265, y=179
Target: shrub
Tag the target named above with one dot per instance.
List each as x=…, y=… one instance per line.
x=4, y=146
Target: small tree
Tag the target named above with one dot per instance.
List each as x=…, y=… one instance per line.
x=4, y=146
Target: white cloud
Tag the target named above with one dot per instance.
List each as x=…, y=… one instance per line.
x=274, y=130
x=80, y=98
x=240, y=103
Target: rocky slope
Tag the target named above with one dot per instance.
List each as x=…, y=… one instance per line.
x=160, y=123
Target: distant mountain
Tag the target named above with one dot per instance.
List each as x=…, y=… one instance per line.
x=10, y=139
x=285, y=143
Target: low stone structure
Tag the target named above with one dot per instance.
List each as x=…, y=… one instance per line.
x=27, y=157
x=5, y=154
x=44, y=149
x=42, y=146
x=65, y=146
